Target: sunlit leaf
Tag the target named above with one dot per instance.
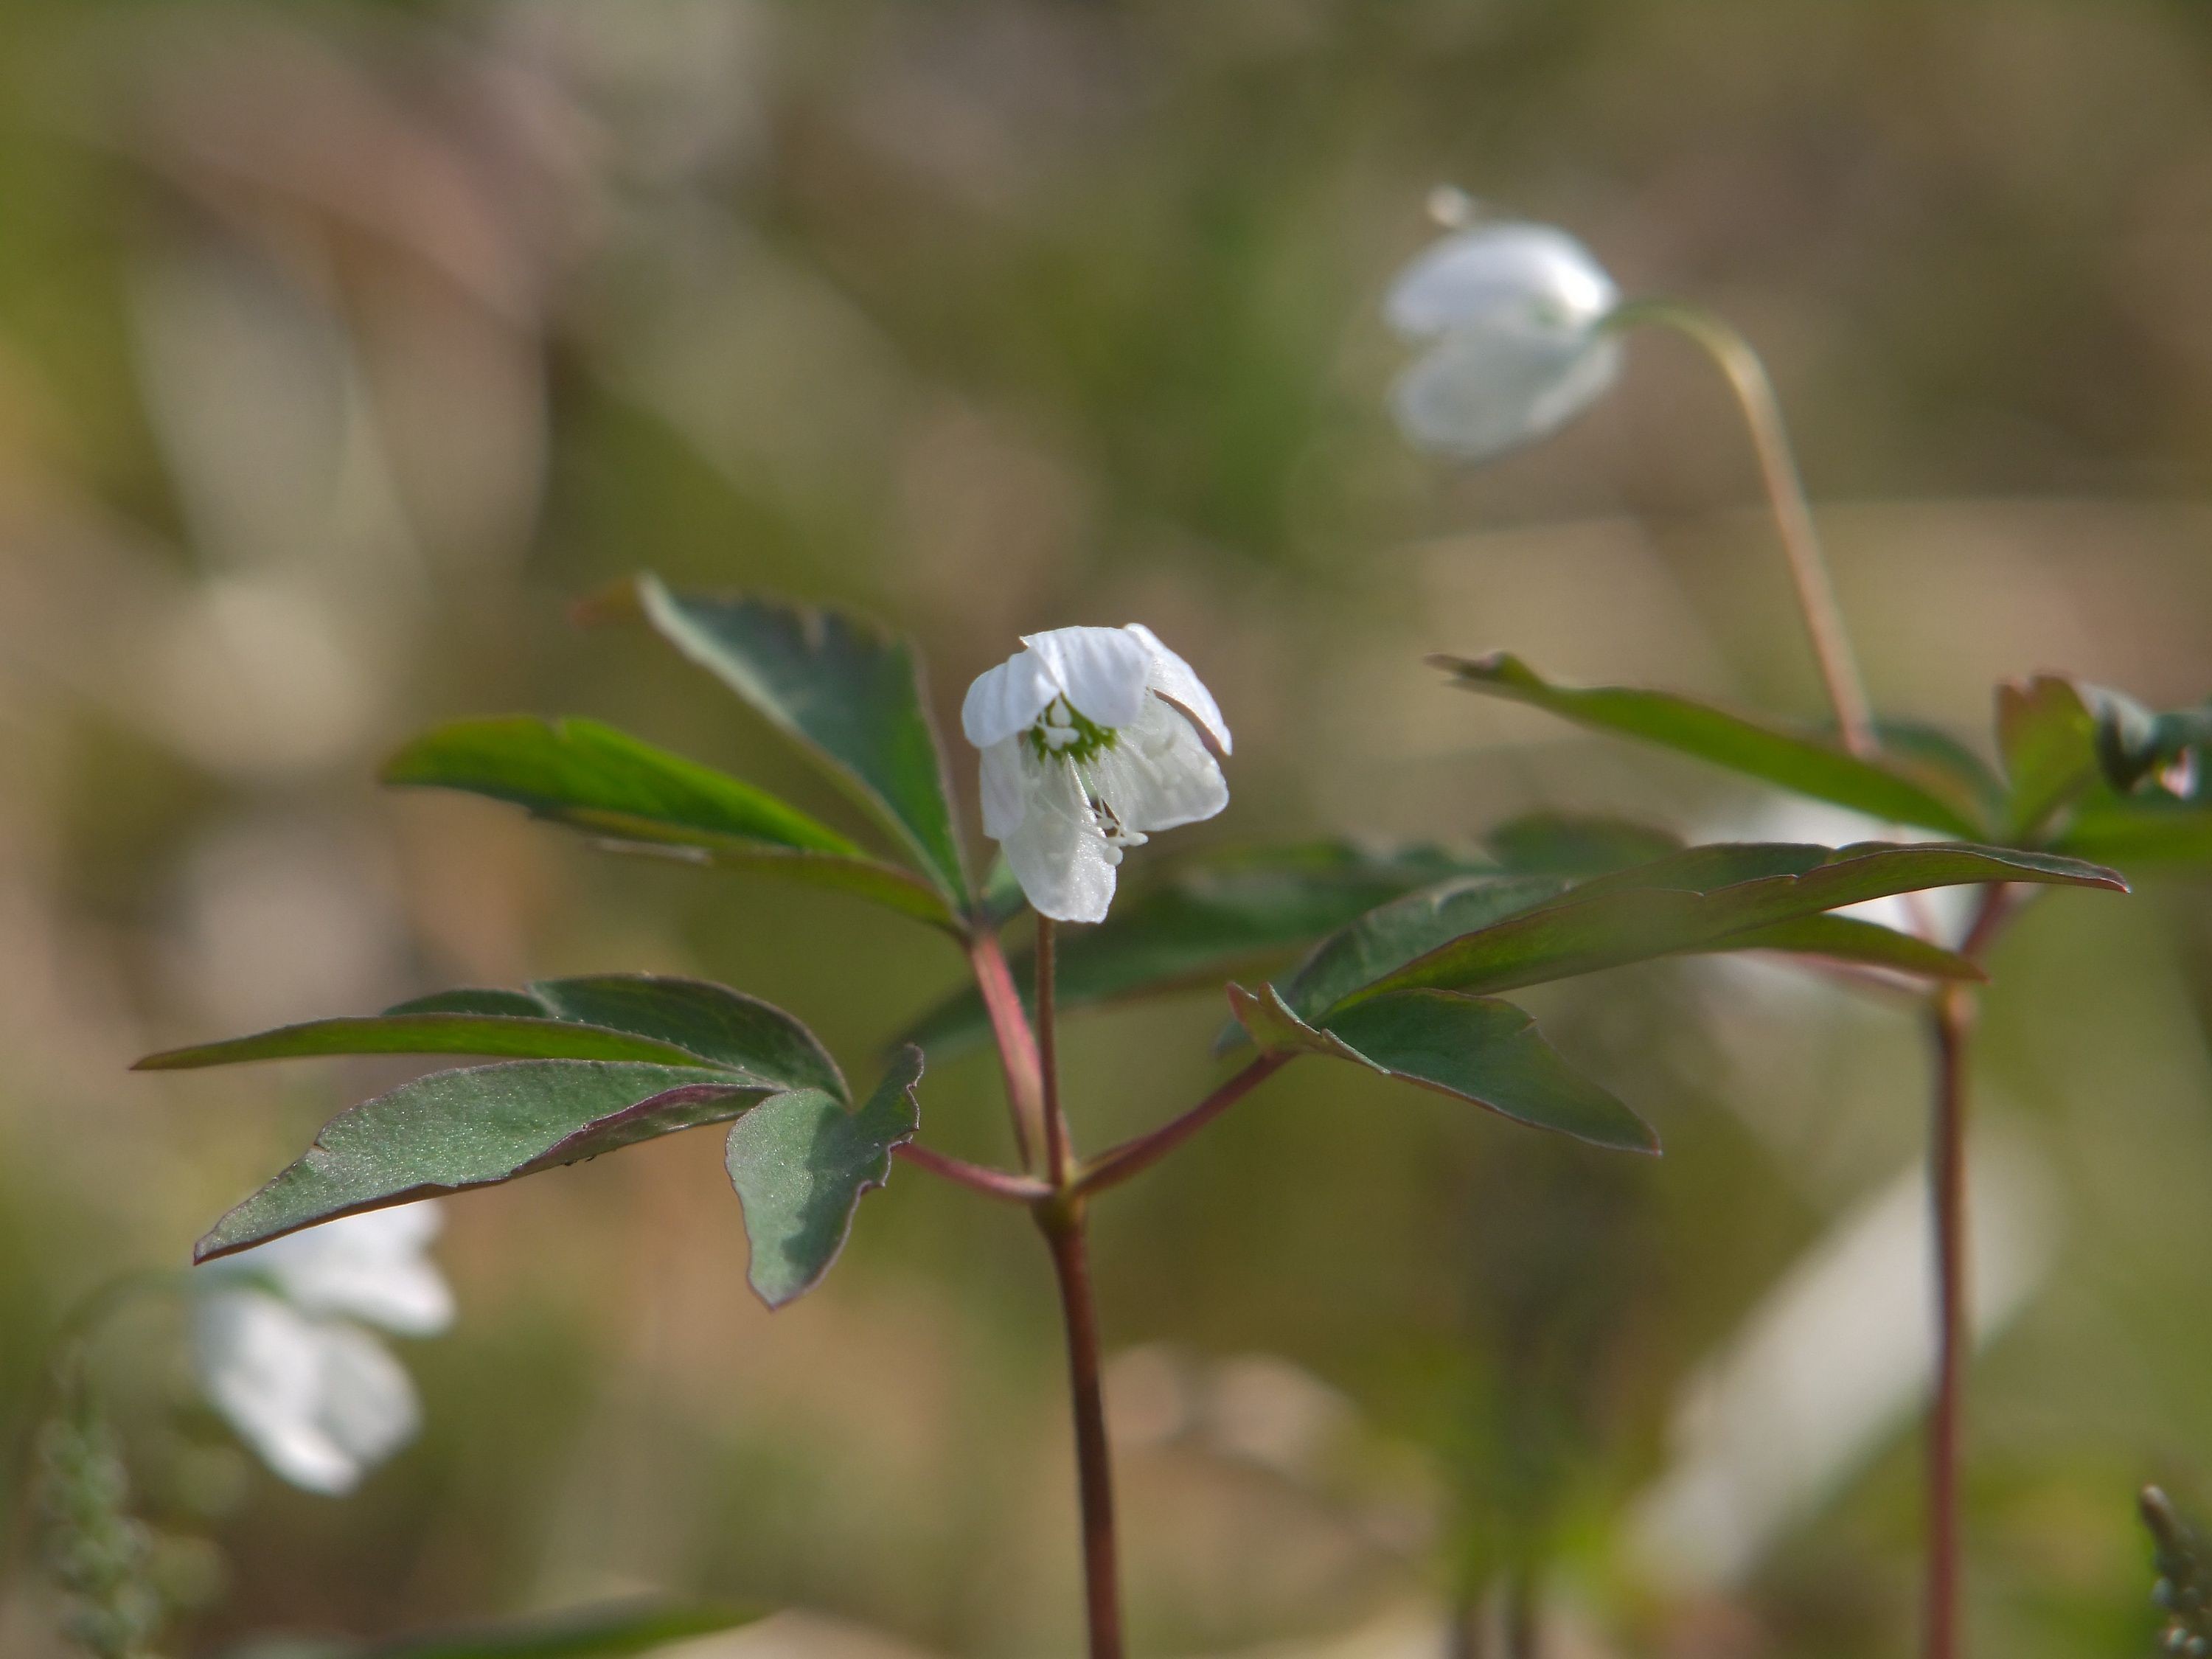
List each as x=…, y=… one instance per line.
x=1203, y=919
x=1477, y=1050
x=607, y=1017
x=1898, y=788
x=1700, y=900
x=851, y=693
x=594, y=778
x=800, y=1162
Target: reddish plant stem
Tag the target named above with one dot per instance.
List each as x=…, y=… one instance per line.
x=976, y=1178
x=1951, y=1020
x=1017, y=1049
x=1117, y=1163
x=1063, y=1227
x=1059, y=1159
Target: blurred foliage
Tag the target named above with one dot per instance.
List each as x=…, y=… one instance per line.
x=343, y=347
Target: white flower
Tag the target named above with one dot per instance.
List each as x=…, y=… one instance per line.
x=277, y=1352
x=1090, y=740
x=1514, y=311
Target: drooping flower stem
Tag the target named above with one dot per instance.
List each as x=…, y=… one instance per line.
x=1785, y=492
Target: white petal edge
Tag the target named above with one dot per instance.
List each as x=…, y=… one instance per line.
x=1160, y=775
x=1005, y=787
x=1172, y=677
x=1496, y=272
x=318, y=1400
x=1479, y=394
x=1058, y=853
x=1007, y=700
x=1102, y=669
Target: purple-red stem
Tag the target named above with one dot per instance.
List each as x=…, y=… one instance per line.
x=1017, y=1049
x=1117, y=1163
x=1952, y=1019
x=1058, y=1160
x=1063, y=1227
x=976, y=1178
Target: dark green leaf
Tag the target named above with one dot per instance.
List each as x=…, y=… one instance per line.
x=475, y=1128
x=2140, y=829
x=850, y=693
x=1472, y=1048
x=610, y=1016
x=2048, y=737
x=597, y=779
x=610, y=1630
x=801, y=1161
x=1861, y=944
x=1895, y=789
x=1202, y=919
x=1577, y=844
x=1698, y=900
x=1393, y=934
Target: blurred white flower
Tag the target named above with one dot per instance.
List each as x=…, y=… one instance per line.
x=1090, y=740
x=1514, y=313
x=279, y=1354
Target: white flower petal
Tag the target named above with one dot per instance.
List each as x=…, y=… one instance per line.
x=1499, y=273
x=1175, y=679
x=1006, y=700
x=1059, y=853
x=1102, y=669
x=1482, y=391
x=319, y=1402
x=373, y=1266
x=1005, y=787
x=1159, y=775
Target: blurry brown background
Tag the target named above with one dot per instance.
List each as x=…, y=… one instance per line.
x=342, y=346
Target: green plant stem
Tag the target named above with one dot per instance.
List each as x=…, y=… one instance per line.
x=1785, y=492
x=1017, y=1045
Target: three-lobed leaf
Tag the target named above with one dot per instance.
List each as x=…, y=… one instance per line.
x=602, y=780
x=1475, y=1048
x=801, y=1161
x=851, y=693
x=1918, y=784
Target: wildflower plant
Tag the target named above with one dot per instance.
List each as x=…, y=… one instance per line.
x=1089, y=742
x=2085, y=773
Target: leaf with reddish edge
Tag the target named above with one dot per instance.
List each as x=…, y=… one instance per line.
x=1474, y=1048
x=801, y=1161
x=476, y=1127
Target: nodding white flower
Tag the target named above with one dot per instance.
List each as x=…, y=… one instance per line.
x=1513, y=312
x=279, y=1353
x=1091, y=741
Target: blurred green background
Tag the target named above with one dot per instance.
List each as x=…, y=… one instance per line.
x=343, y=347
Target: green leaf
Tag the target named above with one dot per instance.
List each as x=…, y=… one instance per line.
x=2133, y=831
x=1577, y=844
x=1393, y=934
x=1200, y=919
x=800, y=1162
x=608, y=1631
x=476, y=1127
x=852, y=694
x=594, y=778
x=606, y=1017
x=1895, y=788
x=2048, y=737
x=1860, y=944
x=1700, y=900
x=1472, y=1048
